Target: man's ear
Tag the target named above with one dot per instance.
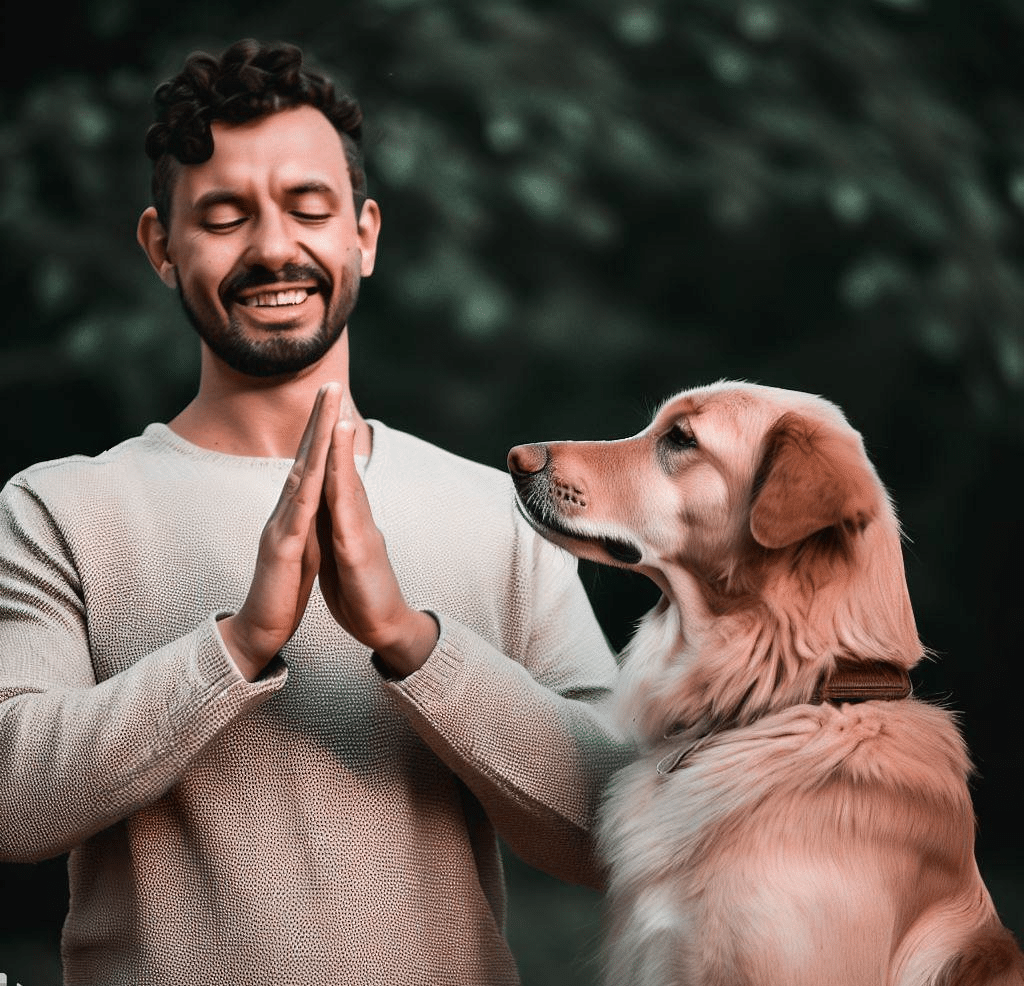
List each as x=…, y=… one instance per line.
x=152, y=238
x=368, y=226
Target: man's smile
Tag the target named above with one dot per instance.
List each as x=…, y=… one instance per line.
x=287, y=289
x=274, y=302
x=277, y=298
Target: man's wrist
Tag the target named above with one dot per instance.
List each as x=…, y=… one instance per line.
x=414, y=643
x=249, y=667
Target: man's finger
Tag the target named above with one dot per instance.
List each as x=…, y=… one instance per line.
x=305, y=481
x=322, y=422
x=344, y=490
x=311, y=422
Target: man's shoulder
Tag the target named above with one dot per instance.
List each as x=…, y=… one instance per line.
x=419, y=457
x=79, y=472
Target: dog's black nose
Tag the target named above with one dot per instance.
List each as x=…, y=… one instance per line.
x=525, y=460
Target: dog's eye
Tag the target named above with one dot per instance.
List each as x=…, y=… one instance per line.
x=681, y=438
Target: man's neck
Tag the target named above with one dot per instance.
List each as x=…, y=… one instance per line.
x=241, y=415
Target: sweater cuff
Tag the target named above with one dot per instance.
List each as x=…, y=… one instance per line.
x=216, y=676
x=216, y=665
x=442, y=668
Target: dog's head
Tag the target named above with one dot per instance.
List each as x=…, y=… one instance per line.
x=737, y=498
x=717, y=467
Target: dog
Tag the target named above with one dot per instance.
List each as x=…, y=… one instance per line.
x=794, y=816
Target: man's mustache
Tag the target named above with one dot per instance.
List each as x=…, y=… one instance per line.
x=256, y=276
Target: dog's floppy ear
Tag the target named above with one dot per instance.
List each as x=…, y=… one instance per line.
x=813, y=475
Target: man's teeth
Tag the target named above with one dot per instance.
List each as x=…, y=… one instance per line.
x=273, y=299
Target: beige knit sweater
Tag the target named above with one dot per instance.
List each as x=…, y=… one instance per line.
x=321, y=825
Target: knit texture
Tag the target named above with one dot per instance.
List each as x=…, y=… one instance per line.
x=322, y=824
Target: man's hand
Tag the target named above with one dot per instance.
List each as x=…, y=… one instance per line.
x=356, y=577
x=289, y=555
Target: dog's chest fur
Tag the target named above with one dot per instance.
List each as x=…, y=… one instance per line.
x=712, y=846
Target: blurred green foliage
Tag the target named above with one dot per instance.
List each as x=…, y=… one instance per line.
x=588, y=205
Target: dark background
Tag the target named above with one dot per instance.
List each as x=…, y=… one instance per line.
x=588, y=205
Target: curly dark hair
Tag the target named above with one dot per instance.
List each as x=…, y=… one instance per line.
x=247, y=81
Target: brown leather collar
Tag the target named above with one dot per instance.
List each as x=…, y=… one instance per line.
x=861, y=681
x=850, y=681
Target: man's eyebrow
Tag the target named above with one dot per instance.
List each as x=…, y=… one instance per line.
x=218, y=196
x=225, y=196
x=311, y=187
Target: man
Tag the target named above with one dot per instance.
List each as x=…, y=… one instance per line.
x=262, y=776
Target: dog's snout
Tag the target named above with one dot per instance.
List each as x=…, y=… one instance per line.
x=525, y=460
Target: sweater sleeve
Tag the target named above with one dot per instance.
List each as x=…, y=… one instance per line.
x=529, y=733
x=79, y=754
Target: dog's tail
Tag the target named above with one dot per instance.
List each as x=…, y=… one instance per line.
x=990, y=957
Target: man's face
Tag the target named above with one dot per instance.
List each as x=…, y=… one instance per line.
x=264, y=243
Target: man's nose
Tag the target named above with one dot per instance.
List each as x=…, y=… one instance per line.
x=272, y=242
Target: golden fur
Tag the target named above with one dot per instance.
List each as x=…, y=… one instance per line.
x=762, y=837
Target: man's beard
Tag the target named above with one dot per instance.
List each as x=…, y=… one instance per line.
x=281, y=352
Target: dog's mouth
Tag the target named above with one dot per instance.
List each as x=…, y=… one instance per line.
x=620, y=550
